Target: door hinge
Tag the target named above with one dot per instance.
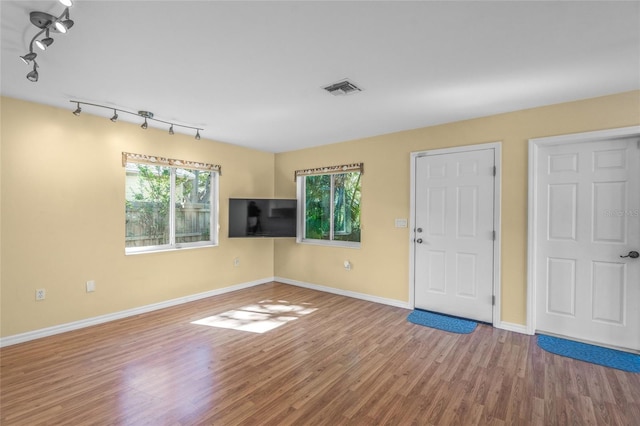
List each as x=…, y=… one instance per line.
x=493, y=300
x=495, y=170
x=494, y=235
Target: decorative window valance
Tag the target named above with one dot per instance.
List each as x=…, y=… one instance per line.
x=356, y=167
x=128, y=157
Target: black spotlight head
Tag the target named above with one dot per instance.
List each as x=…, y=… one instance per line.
x=44, y=43
x=68, y=23
x=63, y=26
x=33, y=75
x=78, y=110
x=28, y=57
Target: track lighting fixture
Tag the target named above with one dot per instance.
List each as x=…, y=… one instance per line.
x=46, y=23
x=147, y=115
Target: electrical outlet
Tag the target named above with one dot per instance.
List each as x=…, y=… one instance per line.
x=236, y=261
x=91, y=286
x=41, y=294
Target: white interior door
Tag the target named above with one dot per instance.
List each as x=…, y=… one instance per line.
x=588, y=216
x=454, y=244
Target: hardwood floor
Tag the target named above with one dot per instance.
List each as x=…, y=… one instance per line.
x=333, y=361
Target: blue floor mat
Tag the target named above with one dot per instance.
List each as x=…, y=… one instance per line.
x=594, y=354
x=442, y=322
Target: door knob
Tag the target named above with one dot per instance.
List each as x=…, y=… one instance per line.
x=419, y=241
x=633, y=255
x=419, y=229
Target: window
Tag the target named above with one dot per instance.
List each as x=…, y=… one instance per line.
x=169, y=207
x=329, y=207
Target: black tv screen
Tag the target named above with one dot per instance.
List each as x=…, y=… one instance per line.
x=262, y=218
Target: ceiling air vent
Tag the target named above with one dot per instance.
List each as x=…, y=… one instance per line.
x=341, y=88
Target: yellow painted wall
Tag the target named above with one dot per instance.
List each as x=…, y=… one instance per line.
x=62, y=209
x=62, y=212
x=381, y=265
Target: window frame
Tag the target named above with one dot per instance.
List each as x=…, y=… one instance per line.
x=301, y=228
x=213, y=215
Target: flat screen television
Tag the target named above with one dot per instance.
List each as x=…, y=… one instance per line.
x=262, y=218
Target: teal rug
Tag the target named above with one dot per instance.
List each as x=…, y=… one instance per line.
x=442, y=322
x=620, y=360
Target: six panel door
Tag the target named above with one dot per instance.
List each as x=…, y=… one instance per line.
x=588, y=217
x=454, y=219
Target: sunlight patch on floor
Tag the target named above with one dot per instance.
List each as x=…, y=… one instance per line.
x=260, y=317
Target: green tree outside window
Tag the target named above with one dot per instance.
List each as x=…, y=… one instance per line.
x=332, y=207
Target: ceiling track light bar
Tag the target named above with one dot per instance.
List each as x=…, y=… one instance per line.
x=147, y=115
x=47, y=23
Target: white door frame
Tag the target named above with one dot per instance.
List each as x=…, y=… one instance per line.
x=534, y=145
x=497, y=147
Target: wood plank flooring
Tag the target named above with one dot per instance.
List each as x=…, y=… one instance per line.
x=333, y=361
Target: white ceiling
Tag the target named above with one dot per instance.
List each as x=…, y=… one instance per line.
x=251, y=73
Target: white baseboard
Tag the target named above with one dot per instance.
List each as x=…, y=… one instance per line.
x=63, y=328
x=347, y=293
x=516, y=328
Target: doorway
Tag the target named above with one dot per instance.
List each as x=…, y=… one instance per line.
x=454, y=245
x=584, y=236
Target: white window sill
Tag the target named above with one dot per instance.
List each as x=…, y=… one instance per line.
x=144, y=250
x=326, y=243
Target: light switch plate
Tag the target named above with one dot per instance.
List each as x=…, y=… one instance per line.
x=401, y=223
